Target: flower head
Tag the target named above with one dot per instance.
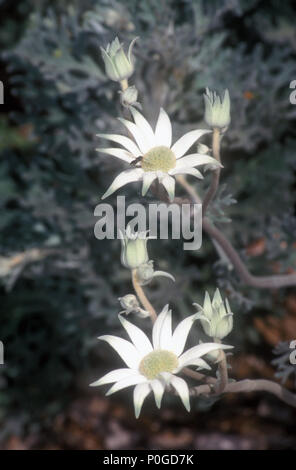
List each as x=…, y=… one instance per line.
x=217, y=109
x=153, y=366
x=159, y=159
x=133, y=248
x=216, y=317
x=118, y=66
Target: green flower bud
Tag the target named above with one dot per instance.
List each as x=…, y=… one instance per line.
x=133, y=249
x=217, y=109
x=130, y=304
x=145, y=273
x=216, y=317
x=118, y=65
x=129, y=97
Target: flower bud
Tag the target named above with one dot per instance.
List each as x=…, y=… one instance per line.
x=217, y=109
x=216, y=317
x=130, y=304
x=118, y=65
x=129, y=97
x=145, y=273
x=133, y=249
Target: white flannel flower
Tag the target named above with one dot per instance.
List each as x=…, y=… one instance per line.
x=151, y=367
x=159, y=158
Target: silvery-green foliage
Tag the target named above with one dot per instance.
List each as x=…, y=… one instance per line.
x=285, y=369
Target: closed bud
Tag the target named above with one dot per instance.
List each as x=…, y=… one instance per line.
x=216, y=317
x=118, y=65
x=133, y=249
x=129, y=303
x=129, y=97
x=145, y=273
x=217, y=109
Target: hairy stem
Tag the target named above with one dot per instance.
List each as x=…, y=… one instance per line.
x=216, y=173
x=223, y=370
x=142, y=297
x=247, y=385
x=124, y=84
x=260, y=282
x=199, y=376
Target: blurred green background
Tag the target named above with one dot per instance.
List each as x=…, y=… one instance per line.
x=59, y=285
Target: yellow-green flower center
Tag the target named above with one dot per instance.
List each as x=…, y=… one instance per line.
x=156, y=362
x=159, y=159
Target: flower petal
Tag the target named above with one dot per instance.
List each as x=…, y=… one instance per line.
x=182, y=389
x=165, y=332
x=217, y=299
x=186, y=171
x=118, y=153
x=144, y=125
x=165, y=338
x=181, y=333
x=207, y=306
x=127, y=382
x=130, y=49
x=158, y=390
x=157, y=327
x=200, y=350
x=148, y=178
x=196, y=159
x=137, y=336
x=125, y=177
x=124, y=141
x=202, y=364
x=140, y=393
x=169, y=183
x=228, y=309
x=195, y=362
x=114, y=376
x=185, y=142
x=163, y=130
x=125, y=349
x=142, y=141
